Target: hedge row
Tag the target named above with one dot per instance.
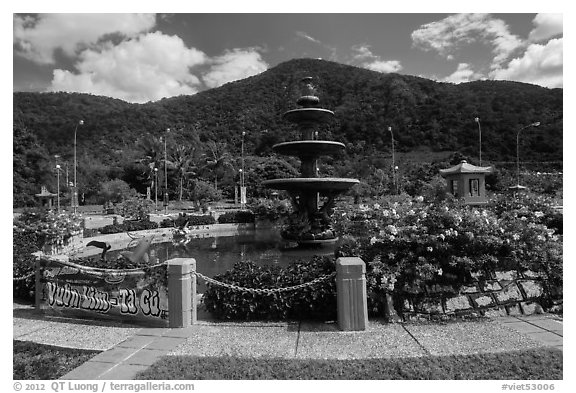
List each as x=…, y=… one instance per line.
x=237, y=217
x=184, y=219
x=128, y=226
x=312, y=302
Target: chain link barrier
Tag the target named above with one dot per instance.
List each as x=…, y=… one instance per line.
x=264, y=291
x=87, y=270
x=23, y=277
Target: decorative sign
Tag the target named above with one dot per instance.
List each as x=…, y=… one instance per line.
x=74, y=200
x=134, y=296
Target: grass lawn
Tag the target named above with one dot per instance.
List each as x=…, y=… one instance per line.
x=38, y=361
x=545, y=364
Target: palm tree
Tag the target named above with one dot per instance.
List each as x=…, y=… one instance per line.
x=152, y=153
x=186, y=161
x=217, y=158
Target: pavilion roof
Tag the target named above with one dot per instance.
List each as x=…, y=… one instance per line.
x=45, y=193
x=464, y=167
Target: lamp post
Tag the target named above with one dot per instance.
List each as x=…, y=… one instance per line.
x=58, y=186
x=535, y=124
x=75, y=192
x=156, y=189
x=393, y=164
x=477, y=120
x=242, y=184
x=166, y=173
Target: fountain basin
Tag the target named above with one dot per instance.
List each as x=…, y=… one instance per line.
x=309, y=115
x=308, y=148
x=312, y=184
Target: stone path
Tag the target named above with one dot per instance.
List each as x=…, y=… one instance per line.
x=129, y=349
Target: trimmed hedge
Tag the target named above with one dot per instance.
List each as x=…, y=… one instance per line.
x=317, y=302
x=237, y=217
x=184, y=218
x=128, y=226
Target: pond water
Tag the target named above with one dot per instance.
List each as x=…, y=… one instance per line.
x=217, y=254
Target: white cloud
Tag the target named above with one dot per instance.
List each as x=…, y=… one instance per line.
x=449, y=34
x=38, y=37
x=546, y=26
x=233, y=65
x=464, y=73
x=362, y=52
x=363, y=57
x=384, y=66
x=540, y=64
x=146, y=68
x=308, y=37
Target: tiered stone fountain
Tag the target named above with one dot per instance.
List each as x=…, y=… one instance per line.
x=312, y=196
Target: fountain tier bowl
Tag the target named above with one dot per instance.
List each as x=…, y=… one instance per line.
x=309, y=115
x=312, y=184
x=308, y=148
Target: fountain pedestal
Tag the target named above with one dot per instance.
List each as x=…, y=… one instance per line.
x=313, y=197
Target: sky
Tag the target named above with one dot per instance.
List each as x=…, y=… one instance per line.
x=141, y=57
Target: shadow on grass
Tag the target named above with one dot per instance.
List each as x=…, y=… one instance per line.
x=535, y=364
x=39, y=361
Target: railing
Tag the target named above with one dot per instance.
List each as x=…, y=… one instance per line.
x=350, y=291
x=180, y=304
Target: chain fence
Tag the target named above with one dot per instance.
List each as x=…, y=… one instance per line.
x=264, y=291
x=94, y=271
x=23, y=277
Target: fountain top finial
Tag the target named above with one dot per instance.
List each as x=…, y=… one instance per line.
x=309, y=98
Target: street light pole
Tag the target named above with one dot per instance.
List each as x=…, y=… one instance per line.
x=393, y=165
x=166, y=173
x=477, y=120
x=535, y=124
x=156, y=190
x=75, y=196
x=58, y=186
x=242, y=184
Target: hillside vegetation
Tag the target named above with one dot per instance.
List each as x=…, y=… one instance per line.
x=429, y=120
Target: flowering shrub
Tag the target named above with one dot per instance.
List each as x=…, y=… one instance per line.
x=52, y=228
x=273, y=210
x=538, y=209
x=410, y=245
x=33, y=230
x=135, y=208
x=23, y=245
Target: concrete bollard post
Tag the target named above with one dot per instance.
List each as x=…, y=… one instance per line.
x=181, y=292
x=351, y=294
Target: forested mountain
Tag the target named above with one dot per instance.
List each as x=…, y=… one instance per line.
x=425, y=116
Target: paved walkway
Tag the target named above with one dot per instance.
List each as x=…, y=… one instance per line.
x=129, y=349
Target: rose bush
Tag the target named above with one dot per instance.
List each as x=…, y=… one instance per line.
x=409, y=245
x=34, y=230
x=51, y=228
x=273, y=210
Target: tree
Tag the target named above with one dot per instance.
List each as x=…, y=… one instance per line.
x=31, y=166
x=217, y=159
x=203, y=192
x=116, y=191
x=152, y=153
x=186, y=161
